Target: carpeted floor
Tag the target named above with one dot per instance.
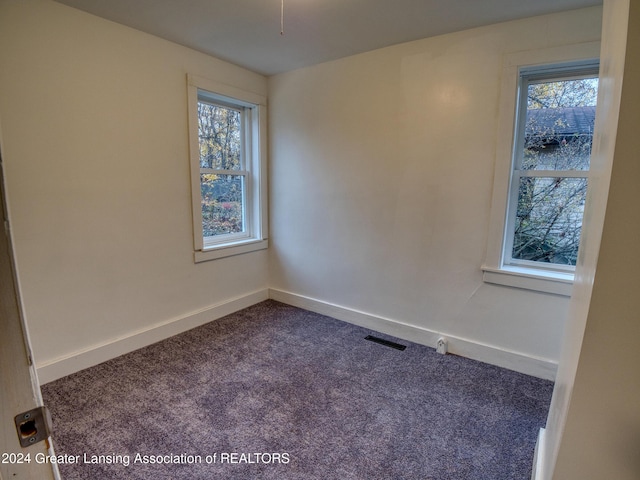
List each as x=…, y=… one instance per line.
x=275, y=392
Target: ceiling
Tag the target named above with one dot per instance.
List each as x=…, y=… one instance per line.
x=247, y=32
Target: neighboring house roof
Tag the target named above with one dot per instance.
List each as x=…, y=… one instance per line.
x=560, y=122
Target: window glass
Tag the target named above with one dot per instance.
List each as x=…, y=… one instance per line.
x=559, y=124
x=222, y=204
x=549, y=219
x=219, y=136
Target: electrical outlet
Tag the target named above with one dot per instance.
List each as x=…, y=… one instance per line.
x=441, y=346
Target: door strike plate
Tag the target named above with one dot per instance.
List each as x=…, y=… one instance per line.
x=33, y=426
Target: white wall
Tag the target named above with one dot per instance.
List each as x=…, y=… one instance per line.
x=94, y=141
x=381, y=179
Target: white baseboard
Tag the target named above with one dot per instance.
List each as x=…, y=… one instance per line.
x=519, y=362
x=538, y=457
x=88, y=357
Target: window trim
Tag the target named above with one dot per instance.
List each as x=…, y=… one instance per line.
x=494, y=269
x=255, y=236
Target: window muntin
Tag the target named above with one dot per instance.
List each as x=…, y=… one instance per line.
x=554, y=131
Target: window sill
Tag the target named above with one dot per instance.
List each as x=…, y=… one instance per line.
x=228, y=250
x=557, y=283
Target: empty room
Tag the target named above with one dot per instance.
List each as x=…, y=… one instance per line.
x=291, y=239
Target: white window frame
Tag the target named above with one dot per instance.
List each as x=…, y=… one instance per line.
x=253, y=108
x=497, y=268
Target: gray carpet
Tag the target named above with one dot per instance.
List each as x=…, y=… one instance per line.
x=276, y=392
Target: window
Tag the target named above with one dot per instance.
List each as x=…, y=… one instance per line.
x=554, y=133
x=226, y=128
x=546, y=124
